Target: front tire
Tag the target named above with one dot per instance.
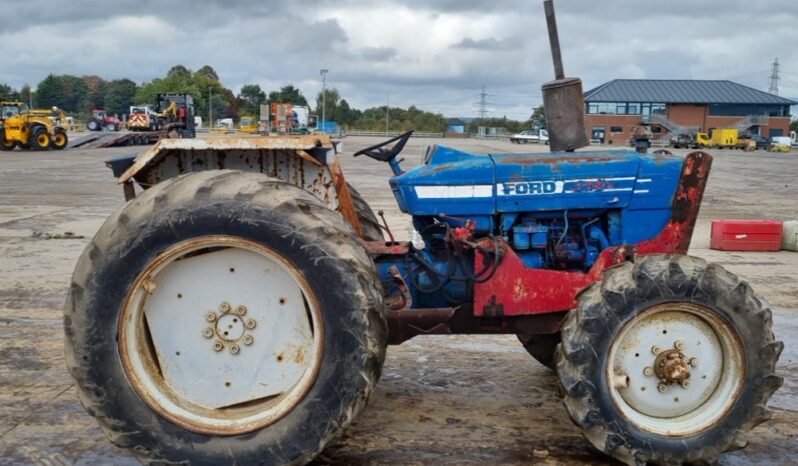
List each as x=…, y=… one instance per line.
x=60, y=140
x=668, y=360
x=40, y=139
x=175, y=251
x=541, y=346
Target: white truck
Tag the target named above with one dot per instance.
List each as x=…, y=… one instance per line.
x=540, y=136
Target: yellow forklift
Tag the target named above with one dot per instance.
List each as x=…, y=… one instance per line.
x=31, y=129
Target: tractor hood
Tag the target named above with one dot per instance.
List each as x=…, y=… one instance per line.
x=457, y=183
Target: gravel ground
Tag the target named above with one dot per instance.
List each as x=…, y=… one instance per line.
x=442, y=400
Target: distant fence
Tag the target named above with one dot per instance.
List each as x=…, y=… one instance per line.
x=389, y=134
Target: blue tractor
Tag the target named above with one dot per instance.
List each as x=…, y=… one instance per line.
x=237, y=311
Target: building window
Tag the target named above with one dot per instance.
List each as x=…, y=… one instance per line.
x=742, y=110
x=656, y=129
x=616, y=129
x=633, y=108
x=658, y=109
x=620, y=109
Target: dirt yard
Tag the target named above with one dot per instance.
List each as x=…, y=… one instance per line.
x=441, y=400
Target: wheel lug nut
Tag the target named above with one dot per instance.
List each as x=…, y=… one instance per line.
x=207, y=333
x=686, y=383
x=211, y=317
x=242, y=310
x=662, y=387
x=648, y=371
x=235, y=349
x=248, y=340
x=693, y=362
x=251, y=324
x=656, y=349
x=225, y=308
x=218, y=346
x=679, y=345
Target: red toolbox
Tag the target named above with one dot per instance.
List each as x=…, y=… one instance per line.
x=746, y=235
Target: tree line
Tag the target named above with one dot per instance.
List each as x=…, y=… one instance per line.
x=79, y=95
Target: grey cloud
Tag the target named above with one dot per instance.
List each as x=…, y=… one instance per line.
x=490, y=43
x=378, y=53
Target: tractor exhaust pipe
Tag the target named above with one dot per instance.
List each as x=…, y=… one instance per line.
x=563, y=99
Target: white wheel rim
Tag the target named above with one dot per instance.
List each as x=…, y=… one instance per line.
x=221, y=335
x=675, y=369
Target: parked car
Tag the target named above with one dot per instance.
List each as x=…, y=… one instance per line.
x=537, y=136
x=761, y=142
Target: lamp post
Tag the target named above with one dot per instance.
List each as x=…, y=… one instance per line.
x=324, y=99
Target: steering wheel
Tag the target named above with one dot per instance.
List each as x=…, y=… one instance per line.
x=383, y=153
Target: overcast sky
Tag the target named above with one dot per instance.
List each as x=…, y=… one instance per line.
x=434, y=54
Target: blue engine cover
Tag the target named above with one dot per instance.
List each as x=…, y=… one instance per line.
x=494, y=190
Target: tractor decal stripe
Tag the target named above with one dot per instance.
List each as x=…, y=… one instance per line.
x=550, y=187
x=454, y=192
x=641, y=191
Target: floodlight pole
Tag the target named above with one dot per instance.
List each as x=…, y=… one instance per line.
x=324, y=99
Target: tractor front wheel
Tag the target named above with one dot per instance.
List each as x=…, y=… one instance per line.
x=40, y=139
x=668, y=360
x=225, y=317
x=541, y=347
x=60, y=140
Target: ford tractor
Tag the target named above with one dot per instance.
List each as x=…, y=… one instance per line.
x=237, y=308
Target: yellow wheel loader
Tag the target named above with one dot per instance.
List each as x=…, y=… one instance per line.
x=31, y=129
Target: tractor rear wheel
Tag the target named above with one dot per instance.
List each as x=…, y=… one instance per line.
x=93, y=124
x=669, y=361
x=368, y=221
x=40, y=139
x=541, y=346
x=60, y=140
x=225, y=317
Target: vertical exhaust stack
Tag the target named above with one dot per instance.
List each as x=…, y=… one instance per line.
x=563, y=100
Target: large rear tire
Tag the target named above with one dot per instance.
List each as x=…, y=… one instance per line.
x=5, y=144
x=669, y=361
x=93, y=125
x=178, y=307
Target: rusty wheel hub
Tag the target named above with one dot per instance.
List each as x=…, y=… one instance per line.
x=672, y=367
x=654, y=373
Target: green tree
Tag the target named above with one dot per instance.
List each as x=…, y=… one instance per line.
x=179, y=72
x=95, y=94
x=208, y=73
x=250, y=99
x=50, y=92
x=119, y=96
x=26, y=95
x=8, y=93
x=330, y=105
x=288, y=95
x=538, y=117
